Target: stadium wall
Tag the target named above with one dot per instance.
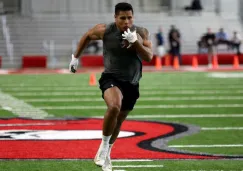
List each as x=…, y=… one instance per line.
x=97, y=60
x=226, y=7
x=223, y=59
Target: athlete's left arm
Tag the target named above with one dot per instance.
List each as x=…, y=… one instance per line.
x=143, y=45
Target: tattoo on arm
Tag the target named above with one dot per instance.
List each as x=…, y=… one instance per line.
x=143, y=32
x=97, y=32
x=144, y=49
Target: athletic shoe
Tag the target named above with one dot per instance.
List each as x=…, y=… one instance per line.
x=107, y=166
x=101, y=155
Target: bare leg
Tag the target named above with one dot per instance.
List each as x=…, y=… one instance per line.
x=113, y=98
x=121, y=117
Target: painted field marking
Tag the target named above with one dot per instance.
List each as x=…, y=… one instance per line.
x=132, y=160
x=221, y=128
x=206, y=146
x=209, y=170
x=6, y=108
x=137, y=166
x=146, y=106
x=142, y=84
x=226, y=75
x=187, y=116
x=140, y=99
x=61, y=93
x=31, y=89
x=20, y=108
x=30, y=124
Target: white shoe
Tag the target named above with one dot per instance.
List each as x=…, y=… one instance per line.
x=101, y=155
x=107, y=166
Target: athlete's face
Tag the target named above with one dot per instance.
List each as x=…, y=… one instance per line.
x=124, y=20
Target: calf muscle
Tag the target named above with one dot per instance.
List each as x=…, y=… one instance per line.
x=113, y=99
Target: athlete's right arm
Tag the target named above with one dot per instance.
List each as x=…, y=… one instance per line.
x=95, y=33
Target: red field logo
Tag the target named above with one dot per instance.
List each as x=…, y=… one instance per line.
x=80, y=139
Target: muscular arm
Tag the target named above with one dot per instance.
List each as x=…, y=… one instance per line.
x=96, y=33
x=144, y=46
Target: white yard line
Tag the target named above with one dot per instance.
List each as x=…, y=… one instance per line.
x=186, y=116
x=147, y=106
x=19, y=107
x=132, y=160
x=137, y=166
x=7, y=108
x=30, y=89
x=209, y=170
x=65, y=100
x=226, y=75
x=140, y=99
x=62, y=93
x=142, y=84
x=30, y=124
x=221, y=128
x=206, y=146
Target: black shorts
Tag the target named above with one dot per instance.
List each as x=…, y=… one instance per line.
x=129, y=91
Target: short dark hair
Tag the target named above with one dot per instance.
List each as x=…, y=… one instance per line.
x=123, y=6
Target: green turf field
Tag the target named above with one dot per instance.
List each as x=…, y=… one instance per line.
x=213, y=105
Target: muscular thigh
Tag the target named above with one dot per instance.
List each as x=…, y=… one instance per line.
x=118, y=92
x=113, y=96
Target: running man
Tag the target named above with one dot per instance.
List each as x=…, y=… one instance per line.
x=125, y=45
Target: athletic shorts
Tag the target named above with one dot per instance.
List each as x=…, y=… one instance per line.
x=129, y=91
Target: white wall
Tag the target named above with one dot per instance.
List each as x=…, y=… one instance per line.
x=26, y=8
x=66, y=6
x=41, y=6
x=87, y=6
x=208, y=5
x=227, y=7
x=230, y=7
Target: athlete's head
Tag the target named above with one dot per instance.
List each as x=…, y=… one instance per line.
x=124, y=16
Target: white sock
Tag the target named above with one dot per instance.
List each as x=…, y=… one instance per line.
x=109, y=151
x=105, y=140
